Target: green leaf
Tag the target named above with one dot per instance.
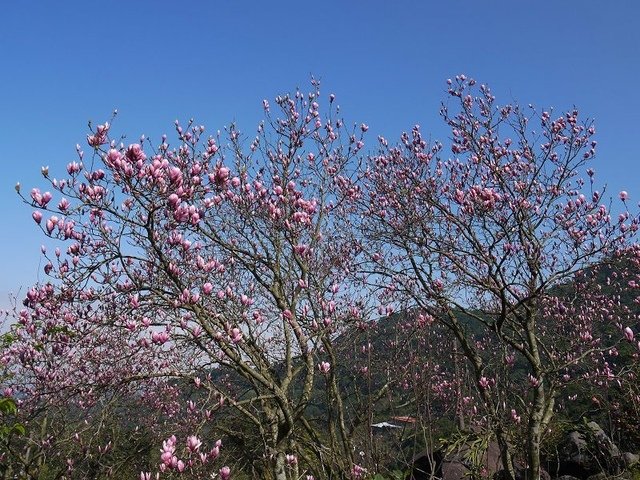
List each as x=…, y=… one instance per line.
x=19, y=429
x=8, y=406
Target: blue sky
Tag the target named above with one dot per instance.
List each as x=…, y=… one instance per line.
x=65, y=63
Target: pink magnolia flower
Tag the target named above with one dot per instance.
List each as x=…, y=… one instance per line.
x=324, y=367
x=159, y=337
x=168, y=449
x=193, y=443
x=628, y=333
x=514, y=415
x=533, y=381
x=221, y=176
x=623, y=195
x=46, y=198
x=236, y=335
x=225, y=473
x=73, y=168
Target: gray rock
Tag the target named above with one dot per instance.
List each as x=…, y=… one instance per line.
x=598, y=476
x=630, y=458
x=454, y=471
x=522, y=474
x=606, y=445
x=456, y=465
x=586, y=453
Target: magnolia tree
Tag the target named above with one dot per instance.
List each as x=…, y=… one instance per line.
x=223, y=285
x=485, y=242
x=181, y=263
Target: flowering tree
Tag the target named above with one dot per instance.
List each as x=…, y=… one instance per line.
x=224, y=274
x=483, y=241
x=181, y=263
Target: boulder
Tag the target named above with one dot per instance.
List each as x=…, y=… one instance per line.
x=605, y=444
x=588, y=452
x=457, y=466
x=598, y=476
x=425, y=465
x=521, y=474
x=630, y=459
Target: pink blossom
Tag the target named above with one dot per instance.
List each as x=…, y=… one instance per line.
x=168, y=449
x=193, y=443
x=533, y=381
x=221, y=176
x=46, y=198
x=515, y=417
x=236, y=335
x=135, y=153
x=623, y=195
x=628, y=333
x=225, y=473
x=159, y=338
x=73, y=168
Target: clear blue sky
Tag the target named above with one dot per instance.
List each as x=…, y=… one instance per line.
x=67, y=62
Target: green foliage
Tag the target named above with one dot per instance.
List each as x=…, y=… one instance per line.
x=471, y=447
x=8, y=408
x=634, y=472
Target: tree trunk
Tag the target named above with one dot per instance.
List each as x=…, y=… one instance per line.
x=279, y=466
x=534, y=433
x=505, y=455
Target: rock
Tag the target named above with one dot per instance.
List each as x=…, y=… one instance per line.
x=453, y=466
x=630, y=459
x=521, y=474
x=425, y=465
x=454, y=470
x=605, y=444
x=598, y=476
x=575, y=459
x=457, y=465
x=586, y=453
